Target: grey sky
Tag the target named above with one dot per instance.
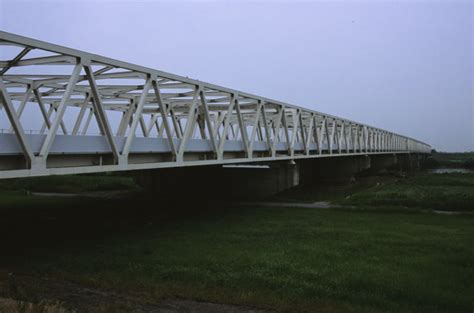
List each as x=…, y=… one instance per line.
x=404, y=66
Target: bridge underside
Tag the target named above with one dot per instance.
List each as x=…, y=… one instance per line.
x=65, y=111
x=261, y=180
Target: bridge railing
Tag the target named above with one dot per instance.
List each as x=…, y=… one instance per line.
x=55, y=91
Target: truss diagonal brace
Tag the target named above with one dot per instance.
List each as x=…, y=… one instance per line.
x=20, y=134
x=189, y=125
x=255, y=126
x=228, y=116
x=15, y=60
x=164, y=117
x=100, y=114
x=208, y=121
x=242, y=127
x=60, y=112
x=136, y=118
x=267, y=130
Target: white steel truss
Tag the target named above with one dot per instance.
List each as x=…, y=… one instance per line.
x=164, y=120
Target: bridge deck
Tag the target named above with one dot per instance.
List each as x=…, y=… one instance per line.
x=149, y=119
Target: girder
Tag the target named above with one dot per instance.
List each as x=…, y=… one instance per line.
x=163, y=120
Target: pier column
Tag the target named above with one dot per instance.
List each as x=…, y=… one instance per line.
x=332, y=169
x=221, y=182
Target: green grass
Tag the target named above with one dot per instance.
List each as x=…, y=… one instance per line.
x=324, y=191
x=69, y=183
x=15, y=194
x=454, y=191
x=287, y=259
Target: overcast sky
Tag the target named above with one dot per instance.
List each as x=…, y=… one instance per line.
x=403, y=66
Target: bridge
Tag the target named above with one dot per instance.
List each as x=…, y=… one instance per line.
x=97, y=114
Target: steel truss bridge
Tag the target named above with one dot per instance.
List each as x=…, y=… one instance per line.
x=98, y=114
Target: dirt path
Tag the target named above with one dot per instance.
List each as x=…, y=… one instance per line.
x=42, y=295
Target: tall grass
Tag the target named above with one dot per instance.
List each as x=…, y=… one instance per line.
x=453, y=191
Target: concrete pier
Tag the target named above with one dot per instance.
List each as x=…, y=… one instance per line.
x=221, y=182
x=340, y=169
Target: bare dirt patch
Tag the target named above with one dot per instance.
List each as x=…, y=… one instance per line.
x=30, y=294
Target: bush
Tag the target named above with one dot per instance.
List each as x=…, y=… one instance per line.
x=469, y=163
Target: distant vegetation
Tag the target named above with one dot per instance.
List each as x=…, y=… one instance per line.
x=450, y=160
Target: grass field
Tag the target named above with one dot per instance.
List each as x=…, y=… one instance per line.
x=385, y=255
x=69, y=183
